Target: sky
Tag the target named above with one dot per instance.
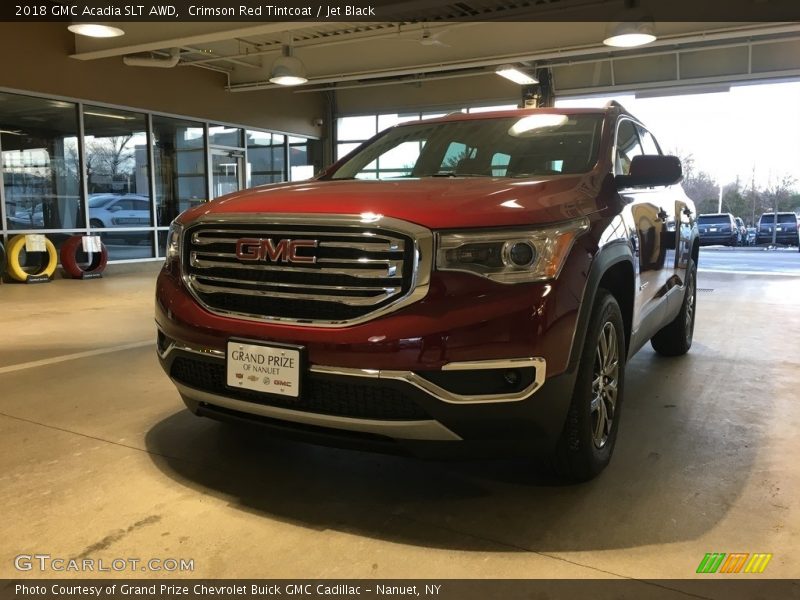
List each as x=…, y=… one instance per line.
x=728, y=133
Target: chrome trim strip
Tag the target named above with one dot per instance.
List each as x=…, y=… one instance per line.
x=392, y=272
x=420, y=277
x=197, y=238
x=405, y=430
x=201, y=351
x=301, y=286
x=392, y=246
x=444, y=395
x=412, y=378
x=347, y=300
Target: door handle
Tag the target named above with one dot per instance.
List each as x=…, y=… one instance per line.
x=662, y=215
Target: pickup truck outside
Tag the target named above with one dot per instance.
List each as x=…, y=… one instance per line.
x=470, y=285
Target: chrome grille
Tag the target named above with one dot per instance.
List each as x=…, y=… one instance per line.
x=359, y=270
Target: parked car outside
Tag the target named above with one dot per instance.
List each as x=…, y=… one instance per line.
x=786, y=226
x=751, y=236
x=718, y=229
x=455, y=307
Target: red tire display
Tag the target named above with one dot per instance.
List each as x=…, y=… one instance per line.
x=69, y=258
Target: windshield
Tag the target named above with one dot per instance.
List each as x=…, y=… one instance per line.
x=713, y=220
x=528, y=146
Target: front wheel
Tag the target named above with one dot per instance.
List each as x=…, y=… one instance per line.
x=590, y=432
x=675, y=338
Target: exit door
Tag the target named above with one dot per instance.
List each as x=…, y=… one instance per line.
x=227, y=171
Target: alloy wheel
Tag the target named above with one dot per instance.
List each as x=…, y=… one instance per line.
x=605, y=384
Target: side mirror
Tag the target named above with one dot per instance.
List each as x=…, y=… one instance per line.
x=650, y=170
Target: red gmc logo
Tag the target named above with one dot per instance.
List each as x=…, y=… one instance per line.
x=253, y=249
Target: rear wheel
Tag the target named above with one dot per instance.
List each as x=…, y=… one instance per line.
x=589, y=435
x=675, y=338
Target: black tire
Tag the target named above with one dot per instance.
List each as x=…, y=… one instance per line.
x=586, y=443
x=675, y=339
x=96, y=224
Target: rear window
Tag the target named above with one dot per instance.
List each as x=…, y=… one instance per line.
x=714, y=220
x=770, y=218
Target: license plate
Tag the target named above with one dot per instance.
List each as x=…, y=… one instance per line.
x=713, y=229
x=262, y=368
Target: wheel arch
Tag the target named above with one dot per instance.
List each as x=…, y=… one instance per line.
x=613, y=270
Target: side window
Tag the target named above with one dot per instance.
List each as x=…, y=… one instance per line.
x=456, y=155
x=628, y=146
x=648, y=142
x=500, y=164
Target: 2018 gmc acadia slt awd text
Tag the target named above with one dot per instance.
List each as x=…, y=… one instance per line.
x=466, y=285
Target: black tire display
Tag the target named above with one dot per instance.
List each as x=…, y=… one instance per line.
x=69, y=258
x=675, y=338
x=590, y=432
x=17, y=271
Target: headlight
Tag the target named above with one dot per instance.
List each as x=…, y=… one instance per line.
x=511, y=255
x=174, y=241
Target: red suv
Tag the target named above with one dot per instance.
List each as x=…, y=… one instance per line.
x=466, y=285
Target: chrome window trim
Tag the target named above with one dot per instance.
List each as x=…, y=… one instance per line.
x=422, y=238
x=429, y=429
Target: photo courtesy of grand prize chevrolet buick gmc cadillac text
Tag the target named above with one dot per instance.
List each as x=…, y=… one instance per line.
x=471, y=285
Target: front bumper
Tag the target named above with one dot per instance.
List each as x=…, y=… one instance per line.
x=397, y=412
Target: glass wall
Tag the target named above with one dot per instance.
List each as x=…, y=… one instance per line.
x=266, y=158
x=73, y=168
x=118, y=180
x=40, y=161
x=179, y=159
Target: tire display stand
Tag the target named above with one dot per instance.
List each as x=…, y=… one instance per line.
x=69, y=258
x=44, y=271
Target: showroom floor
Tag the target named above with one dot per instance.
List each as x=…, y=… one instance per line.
x=99, y=459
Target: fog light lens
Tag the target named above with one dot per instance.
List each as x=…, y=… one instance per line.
x=511, y=377
x=521, y=254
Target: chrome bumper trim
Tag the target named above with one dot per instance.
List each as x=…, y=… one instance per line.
x=412, y=378
x=444, y=395
x=428, y=430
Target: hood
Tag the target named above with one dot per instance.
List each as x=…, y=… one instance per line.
x=436, y=203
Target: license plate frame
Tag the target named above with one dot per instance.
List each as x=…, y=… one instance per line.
x=253, y=370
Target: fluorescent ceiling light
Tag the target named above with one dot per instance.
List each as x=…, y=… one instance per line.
x=108, y=116
x=512, y=73
x=95, y=30
x=630, y=34
x=8, y=131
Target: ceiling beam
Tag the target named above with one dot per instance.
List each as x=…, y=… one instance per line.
x=153, y=37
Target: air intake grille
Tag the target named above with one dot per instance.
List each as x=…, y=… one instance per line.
x=333, y=274
x=318, y=394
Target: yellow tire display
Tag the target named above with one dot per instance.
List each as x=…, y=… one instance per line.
x=16, y=271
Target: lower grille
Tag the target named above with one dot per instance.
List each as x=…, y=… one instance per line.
x=319, y=395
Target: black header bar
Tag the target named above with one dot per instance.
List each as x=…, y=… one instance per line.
x=711, y=588
x=316, y=11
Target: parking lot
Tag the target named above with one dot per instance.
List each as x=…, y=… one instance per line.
x=780, y=261
x=99, y=458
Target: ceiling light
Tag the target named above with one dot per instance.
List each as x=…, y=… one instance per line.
x=95, y=30
x=288, y=69
x=630, y=34
x=517, y=76
x=108, y=115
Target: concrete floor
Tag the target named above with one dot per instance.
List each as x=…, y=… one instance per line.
x=99, y=459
